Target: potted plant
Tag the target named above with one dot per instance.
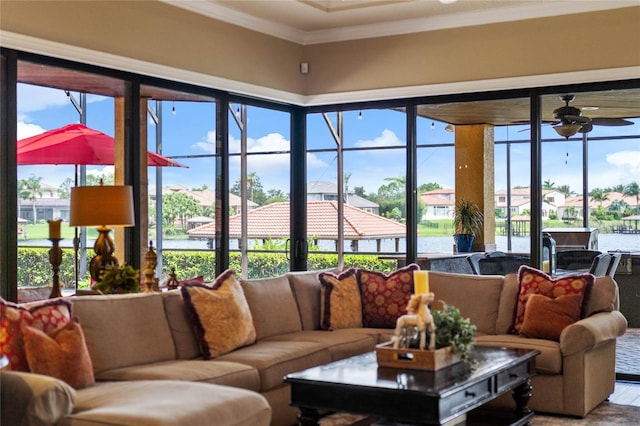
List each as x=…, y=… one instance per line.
x=467, y=220
x=118, y=279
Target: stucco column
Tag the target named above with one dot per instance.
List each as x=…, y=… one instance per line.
x=119, y=179
x=474, y=163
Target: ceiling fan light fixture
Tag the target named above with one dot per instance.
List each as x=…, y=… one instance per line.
x=567, y=130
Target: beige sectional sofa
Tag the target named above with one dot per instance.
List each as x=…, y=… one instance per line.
x=149, y=369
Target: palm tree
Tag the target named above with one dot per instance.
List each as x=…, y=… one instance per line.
x=548, y=185
x=565, y=190
x=598, y=195
x=32, y=190
x=631, y=190
x=618, y=188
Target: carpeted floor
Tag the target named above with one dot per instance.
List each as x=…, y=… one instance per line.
x=606, y=414
x=628, y=355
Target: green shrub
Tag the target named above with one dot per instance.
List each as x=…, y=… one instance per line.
x=34, y=268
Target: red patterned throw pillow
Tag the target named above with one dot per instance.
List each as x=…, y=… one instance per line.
x=340, y=302
x=385, y=296
x=533, y=281
x=47, y=317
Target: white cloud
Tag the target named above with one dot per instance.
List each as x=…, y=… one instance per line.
x=37, y=98
x=272, y=142
x=26, y=130
x=387, y=138
x=208, y=145
x=626, y=168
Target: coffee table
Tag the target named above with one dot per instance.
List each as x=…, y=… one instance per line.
x=358, y=385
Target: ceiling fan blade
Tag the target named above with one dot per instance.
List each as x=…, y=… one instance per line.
x=586, y=128
x=578, y=119
x=544, y=123
x=609, y=121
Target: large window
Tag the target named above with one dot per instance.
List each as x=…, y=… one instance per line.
x=356, y=185
x=358, y=163
x=259, y=176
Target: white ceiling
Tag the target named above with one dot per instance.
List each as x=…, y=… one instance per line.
x=320, y=21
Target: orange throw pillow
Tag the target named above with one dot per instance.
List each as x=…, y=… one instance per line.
x=340, y=301
x=63, y=354
x=545, y=318
x=533, y=281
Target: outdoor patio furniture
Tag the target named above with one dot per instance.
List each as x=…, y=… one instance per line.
x=501, y=265
x=600, y=265
x=575, y=259
x=473, y=259
x=613, y=265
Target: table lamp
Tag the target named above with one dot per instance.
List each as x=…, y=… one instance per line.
x=101, y=206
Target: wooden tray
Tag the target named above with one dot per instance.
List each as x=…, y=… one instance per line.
x=416, y=359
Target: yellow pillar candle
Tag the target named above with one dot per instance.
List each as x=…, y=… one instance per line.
x=420, y=282
x=545, y=266
x=54, y=229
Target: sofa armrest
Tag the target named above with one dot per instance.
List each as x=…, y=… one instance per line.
x=33, y=399
x=591, y=331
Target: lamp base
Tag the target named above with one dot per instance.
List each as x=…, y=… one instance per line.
x=103, y=248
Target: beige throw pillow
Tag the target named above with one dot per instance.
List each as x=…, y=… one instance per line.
x=340, y=301
x=220, y=315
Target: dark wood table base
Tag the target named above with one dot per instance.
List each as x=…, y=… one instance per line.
x=403, y=397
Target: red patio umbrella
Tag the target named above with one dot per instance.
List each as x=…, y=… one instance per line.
x=77, y=144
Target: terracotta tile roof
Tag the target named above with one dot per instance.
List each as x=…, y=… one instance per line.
x=436, y=200
x=272, y=221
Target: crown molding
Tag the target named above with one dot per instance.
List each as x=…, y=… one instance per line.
x=122, y=63
x=382, y=29
x=92, y=57
x=476, y=86
x=231, y=16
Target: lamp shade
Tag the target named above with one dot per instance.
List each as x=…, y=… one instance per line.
x=101, y=206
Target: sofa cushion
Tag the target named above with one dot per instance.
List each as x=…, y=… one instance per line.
x=477, y=297
x=340, y=302
x=182, y=331
x=274, y=359
x=340, y=343
x=306, y=289
x=62, y=354
x=164, y=402
x=548, y=362
x=604, y=296
x=45, y=316
x=507, y=306
x=124, y=329
x=545, y=318
x=273, y=306
x=33, y=399
x=385, y=296
x=534, y=281
x=193, y=370
x=220, y=315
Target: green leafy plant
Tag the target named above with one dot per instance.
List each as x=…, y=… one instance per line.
x=452, y=329
x=119, y=279
x=455, y=330
x=468, y=218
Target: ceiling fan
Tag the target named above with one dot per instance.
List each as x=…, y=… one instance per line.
x=571, y=120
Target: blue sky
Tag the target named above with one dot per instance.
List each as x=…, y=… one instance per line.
x=191, y=131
